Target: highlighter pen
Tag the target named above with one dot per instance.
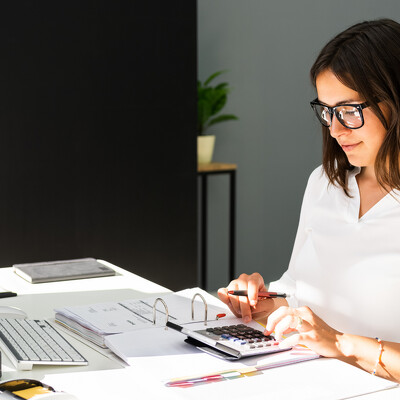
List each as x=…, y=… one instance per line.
x=260, y=294
x=192, y=381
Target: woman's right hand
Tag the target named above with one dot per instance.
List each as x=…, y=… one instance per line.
x=247, y=306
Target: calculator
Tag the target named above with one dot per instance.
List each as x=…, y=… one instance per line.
x=230, y=342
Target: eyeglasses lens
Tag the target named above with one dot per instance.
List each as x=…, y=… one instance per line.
x=323, y=115
x=348, y=116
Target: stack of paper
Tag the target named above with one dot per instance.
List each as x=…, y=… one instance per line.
x=97, y=321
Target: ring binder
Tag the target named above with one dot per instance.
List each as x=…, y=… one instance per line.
x=155, y=311
x=205, y=307
x=97, y=321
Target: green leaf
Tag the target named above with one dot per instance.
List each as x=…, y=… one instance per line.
x=222, y=85
x=222, y=118
x=203, y=112
x=218, y=103
x=204, y=94
x=210, y=101
x=213, y=76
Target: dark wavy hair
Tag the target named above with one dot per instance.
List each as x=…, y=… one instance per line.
x=366, y=58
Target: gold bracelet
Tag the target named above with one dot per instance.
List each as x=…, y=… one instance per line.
x=379, y=358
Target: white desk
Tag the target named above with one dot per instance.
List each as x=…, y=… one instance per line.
x=107, y=378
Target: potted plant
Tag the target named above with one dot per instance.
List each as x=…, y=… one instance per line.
x=210, y=101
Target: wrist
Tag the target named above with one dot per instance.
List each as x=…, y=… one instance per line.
x=344, y=345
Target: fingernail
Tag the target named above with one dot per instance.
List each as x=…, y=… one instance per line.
x=246, y=319
x=253, y=302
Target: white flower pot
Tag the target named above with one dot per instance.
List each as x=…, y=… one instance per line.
x=205, y=148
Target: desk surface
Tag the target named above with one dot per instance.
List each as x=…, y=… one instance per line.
x=106, y=377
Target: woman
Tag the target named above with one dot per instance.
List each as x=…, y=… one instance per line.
x=345, y=265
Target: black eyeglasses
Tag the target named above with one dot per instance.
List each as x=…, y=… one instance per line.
x=349, y=115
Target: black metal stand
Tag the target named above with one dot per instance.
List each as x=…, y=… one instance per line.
x=203, y=174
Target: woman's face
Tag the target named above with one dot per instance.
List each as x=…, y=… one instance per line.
x=360, y=145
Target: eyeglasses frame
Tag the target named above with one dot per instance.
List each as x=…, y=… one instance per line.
x=332, y=112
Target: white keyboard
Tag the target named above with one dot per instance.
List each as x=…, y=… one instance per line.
x=27, y=342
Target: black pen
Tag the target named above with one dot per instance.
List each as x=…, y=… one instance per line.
x=260, y=294
x=7, y=294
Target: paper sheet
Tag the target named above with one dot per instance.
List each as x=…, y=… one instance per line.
x=158, y=341
x=322, y=379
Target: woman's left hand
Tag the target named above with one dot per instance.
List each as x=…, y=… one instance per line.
x=312, y=331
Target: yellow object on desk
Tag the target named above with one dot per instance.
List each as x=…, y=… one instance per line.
x=31, y=392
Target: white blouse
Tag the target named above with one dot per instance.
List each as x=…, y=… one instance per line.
x=346, y=268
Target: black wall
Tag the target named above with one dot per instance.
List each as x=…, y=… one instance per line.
x=97, y=134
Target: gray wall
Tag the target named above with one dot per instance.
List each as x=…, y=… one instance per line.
x=268, y=48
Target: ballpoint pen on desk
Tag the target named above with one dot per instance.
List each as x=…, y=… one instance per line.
x=260, y=294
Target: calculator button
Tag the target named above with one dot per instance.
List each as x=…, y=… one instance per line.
x=225, y=336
